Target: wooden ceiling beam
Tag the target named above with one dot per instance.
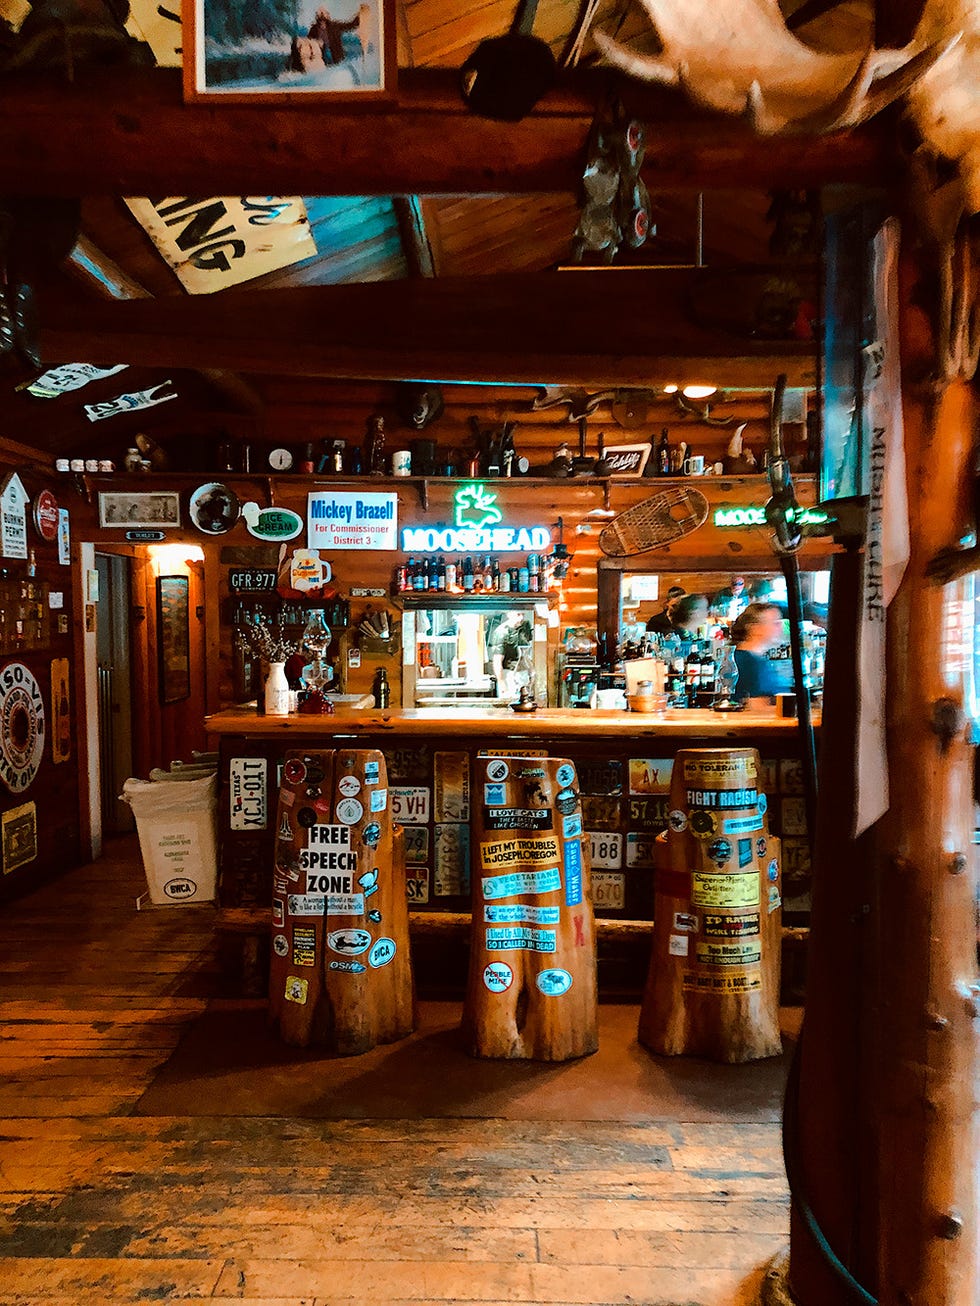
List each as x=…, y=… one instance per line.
x=126, y=131
x=623, y=328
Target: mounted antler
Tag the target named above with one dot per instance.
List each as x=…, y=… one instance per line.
x=741, y=58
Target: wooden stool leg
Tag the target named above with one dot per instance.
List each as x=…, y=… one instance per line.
x=713, y=984
x=532, y=990
x=340, y=973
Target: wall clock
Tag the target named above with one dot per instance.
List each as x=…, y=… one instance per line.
x=280, y=460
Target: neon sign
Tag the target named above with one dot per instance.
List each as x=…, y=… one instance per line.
x=476, y=529
x=753, y=515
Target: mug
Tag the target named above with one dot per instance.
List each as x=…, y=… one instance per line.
x=694, y=466
x=401, y=463
x=786, y=705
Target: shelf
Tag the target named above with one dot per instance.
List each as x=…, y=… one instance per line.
x=437, y=601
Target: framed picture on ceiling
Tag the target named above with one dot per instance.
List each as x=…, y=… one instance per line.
x=342, y=51
x=173, y=638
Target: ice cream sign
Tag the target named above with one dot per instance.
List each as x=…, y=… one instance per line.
x=345, y=520
x=478, y=527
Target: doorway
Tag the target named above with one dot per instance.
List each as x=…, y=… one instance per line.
x=115, y=690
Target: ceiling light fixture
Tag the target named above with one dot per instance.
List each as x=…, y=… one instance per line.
x=699, y=391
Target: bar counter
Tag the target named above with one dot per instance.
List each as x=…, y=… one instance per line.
x=623, y=763
x=474, y=724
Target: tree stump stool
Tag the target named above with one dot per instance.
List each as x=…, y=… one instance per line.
x=340, y=967
x=532, y=991
x=713, y=984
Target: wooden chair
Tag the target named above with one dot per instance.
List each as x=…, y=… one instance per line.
x=340, y=970
x=532, y=989
x=713, y=983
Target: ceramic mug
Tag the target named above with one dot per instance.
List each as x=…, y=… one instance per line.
x=401, y=462
x=694, y=466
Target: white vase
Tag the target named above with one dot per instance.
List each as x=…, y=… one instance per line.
x=277, y=690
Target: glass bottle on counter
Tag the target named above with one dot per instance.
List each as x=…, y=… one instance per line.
x=726, y=679
x=469, y=580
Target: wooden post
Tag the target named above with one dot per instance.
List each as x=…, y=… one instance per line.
x=340, y=970
x=532, y=989
x=713, y=984
x=927, y=981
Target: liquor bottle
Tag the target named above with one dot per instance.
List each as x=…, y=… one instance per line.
x=663, y=454
x=451, y=581
x=382, y=690
x=441, y=573
x=495, y=574
x=523, y=580
x=534, y=573
x=401, y=577
x=420, y=578
x=505, y=581
x=469, y=580
x=488, y=584
x=306, y=461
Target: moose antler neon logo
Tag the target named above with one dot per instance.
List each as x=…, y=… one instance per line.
x=476, y=507
x=476, y=528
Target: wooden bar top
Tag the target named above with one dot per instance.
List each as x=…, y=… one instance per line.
x=501, y=723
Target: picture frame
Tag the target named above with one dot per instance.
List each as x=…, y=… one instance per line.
x=173, y=638
x=330, y=51
x=627, y=459
x=126, y=508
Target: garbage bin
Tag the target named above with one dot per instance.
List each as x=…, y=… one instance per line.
x=176, y=824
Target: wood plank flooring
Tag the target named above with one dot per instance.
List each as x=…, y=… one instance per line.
x=102, y=1207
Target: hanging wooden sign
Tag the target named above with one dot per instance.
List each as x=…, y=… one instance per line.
x=213, y=243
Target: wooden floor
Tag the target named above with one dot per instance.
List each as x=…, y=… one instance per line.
x=99, y=1205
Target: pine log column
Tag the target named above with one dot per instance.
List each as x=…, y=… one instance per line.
x=713, y=985
x=340, y=969
x=532, y=991
x=926, y=985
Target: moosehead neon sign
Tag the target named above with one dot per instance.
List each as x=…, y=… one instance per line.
x=477, y=528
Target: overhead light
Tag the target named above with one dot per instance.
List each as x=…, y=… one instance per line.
x=670, y=389
x=699, y=391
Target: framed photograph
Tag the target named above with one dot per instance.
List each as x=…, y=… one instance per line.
x=149, y=508
x=173, y=638
x=627, y=459
x=338, y=50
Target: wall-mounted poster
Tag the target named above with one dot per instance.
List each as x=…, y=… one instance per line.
x=140, y=508
x=60, y=711
x=13, y=518
x=174, y=638
x=19, y=837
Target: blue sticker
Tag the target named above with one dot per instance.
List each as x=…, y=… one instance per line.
x=553, y=983
x=379, y=800
x=495, y=795
x=744, y=852
x=773, y=871
x=565, y=775
x=371, y=834
x=573, y=872
x=382, y=952
x=571, y=827
x=763, y=804
x=372, y=773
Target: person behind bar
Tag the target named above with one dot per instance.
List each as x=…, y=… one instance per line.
x=754, y=632
x=504, y=646
x=659, y=623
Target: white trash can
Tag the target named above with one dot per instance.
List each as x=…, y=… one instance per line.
x=177, y=828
